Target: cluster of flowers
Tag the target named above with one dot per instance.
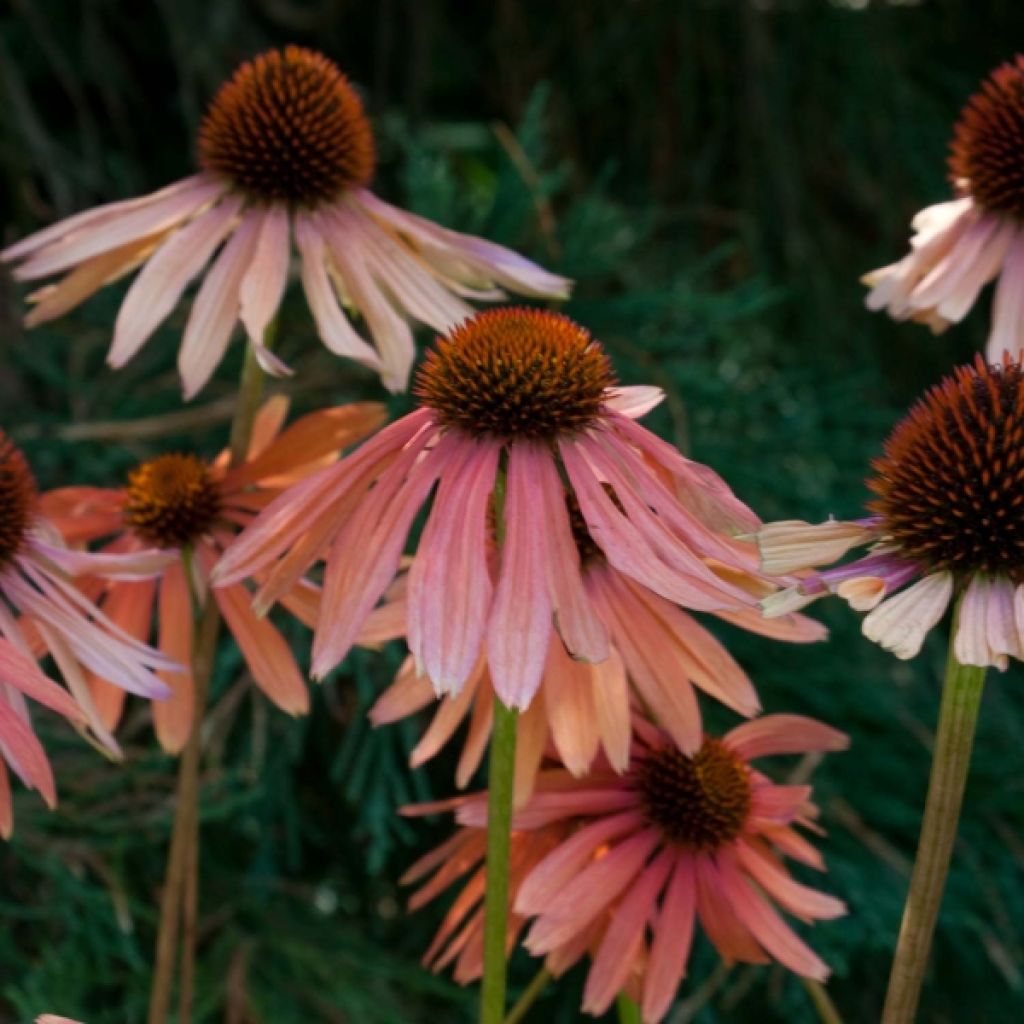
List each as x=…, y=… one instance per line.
x=563, y=551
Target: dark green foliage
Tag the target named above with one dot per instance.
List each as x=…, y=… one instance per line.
x=717, y=176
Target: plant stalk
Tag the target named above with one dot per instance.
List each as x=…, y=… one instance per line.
x=629, y=1012
x=179, y=898
x=524, y=1003
x=958, y=719
x=501, y=777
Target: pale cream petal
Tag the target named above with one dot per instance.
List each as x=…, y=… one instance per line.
x=901, y=623
x=791, y=544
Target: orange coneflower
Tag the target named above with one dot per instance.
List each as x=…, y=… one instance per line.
x=621, y=867
x=513, y=398
x=179, y=501
x=946, y=519
x=285, y=147
x=960, y=246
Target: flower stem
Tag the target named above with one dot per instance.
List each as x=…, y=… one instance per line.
x=958, y=718
x=629, y=1012
x=179, y=898
x=826, y=1009
x=501, y=776
x=525, y=1002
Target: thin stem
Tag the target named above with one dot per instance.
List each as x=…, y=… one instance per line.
x=525, y=1002
x=629, y=1012
x=827, y=1012
x=179, y=900
x=958, y=719
x=501, y=776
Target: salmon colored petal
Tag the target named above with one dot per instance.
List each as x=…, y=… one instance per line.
x=268, y=656
x=409, y=693
x=448, y=717
x=767, y=926
x=570, y=705
x=800, y=900
x=366, y=553
x=624, y=937
x=728, y=934
x=783, y=734
x=673, y=937
x=21, y=672
x=531, y=739
x=6, y=805
x=172, y=718
x=611, y=706
x=25, y=754
x=479, y=733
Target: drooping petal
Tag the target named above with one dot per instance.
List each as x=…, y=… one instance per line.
x=1007, y=334
x=569, y=705
x=987, y=633
x=215, y=309
x=901, y=623
x=262, y=287
x=519, y=629
x=673, y=936
x=449, y=592
x=800, y=900
x=159, y=287
x=791, y=545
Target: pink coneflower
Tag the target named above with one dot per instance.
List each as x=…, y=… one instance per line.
x=656, y=651
x=513, y=398
x=960, y=246
x=42, y=613
x=946, y=519
x=622, y=866
x=179, y=501
x=285, y=147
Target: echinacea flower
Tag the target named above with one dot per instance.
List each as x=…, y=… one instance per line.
x=946, y=520
x=621, y=867
x=179, y=501
x=285, y=147
x=961, y=245
x=657, y=652
x=42, y=612
x=511, y=399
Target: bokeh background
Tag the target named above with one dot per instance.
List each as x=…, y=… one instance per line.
x=716, y=176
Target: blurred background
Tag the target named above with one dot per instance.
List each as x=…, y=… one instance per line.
x=716, y=176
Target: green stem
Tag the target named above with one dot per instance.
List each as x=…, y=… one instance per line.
x=525, y=1002
x=958, y=719
x=629, y=1012
x=250, y=392
x=826, y=1009
x=501, y=778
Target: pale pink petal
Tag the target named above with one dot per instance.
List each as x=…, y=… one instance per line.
x=673, y=936
x=159, y=286
x=333, y=326
x=1007, y=333
x=390, y=332
x=98, y=215
x=215, y=309
x=405, y=278
x=126, y=225
x=791, y=545
x=987, y=632
x=519, y=629
x=17, y=669
x=900, y=623
x=783, y=734
x=25, y=754
x=622, y=941
x=6, y=806
x=794, y=629
x=635, y=401
x=449, y=592
x=132, y=565
x=262, y=287
x=778, y=804
x=470, y=259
